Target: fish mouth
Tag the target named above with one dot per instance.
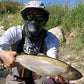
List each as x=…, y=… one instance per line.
x=79, y=76
x=76, y=76
x=72, y=75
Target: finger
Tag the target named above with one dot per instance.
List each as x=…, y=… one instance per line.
x=14, y=53
x=57, y=79
x=67, y=81
x=16, y=63
x=10, y=66
x=69, y=63
x=48, y=77
x=61, y=80
x=13, y=64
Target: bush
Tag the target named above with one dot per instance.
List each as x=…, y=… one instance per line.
x=12, y=20
x=67, y=20
x=74, y=18
x=56, y=13
x=68, y=17
x=79, y=16
x=10, y=7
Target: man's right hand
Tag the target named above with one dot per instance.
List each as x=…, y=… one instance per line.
x=8, y=57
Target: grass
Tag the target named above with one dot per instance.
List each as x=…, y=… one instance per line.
x=12, y=20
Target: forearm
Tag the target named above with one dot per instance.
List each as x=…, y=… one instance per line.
x=8, y=57
x=1, y=54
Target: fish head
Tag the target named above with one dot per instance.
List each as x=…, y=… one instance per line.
x=72, y=74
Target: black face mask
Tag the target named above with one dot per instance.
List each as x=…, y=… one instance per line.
x=34, y=28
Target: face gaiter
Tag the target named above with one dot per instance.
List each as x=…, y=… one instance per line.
x=33, y=28
x=34, y=32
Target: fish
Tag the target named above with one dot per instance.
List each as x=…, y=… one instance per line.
x=48, y=66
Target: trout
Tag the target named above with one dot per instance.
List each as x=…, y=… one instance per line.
x=48, y=66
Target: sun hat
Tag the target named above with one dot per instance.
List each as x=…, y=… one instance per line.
x=34, y=5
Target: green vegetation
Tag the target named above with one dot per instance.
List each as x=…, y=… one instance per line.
x=11, y=20
x=67, y=17
x=9, y=7
x=56, y=14
x=9, y=13
x=74, y=18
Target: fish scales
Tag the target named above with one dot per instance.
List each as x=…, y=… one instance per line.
x=44, y=67
x=48, y=66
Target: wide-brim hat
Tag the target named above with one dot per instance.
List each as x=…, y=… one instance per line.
x=34, y=5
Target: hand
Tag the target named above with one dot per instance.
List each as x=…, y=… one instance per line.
x=60, y=79
x=36, y=76
x=8, y=57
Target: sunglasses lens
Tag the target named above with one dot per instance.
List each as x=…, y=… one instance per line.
x=29, y=17
x=39, y=17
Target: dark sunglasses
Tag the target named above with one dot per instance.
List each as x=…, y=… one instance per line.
x=37, y=17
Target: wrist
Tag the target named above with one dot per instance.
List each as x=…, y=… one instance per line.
x=1, y=53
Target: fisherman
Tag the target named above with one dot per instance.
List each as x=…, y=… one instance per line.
x=30, y=38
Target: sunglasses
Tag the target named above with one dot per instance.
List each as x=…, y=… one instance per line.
x=37, y=17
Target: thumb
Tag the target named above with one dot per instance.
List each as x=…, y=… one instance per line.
x=14, y=53
x=48, y=77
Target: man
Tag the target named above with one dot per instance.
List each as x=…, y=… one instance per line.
x=31, y=38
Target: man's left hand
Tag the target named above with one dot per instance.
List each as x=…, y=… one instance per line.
x=60, y=79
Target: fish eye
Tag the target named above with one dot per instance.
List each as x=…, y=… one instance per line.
x=76, y=74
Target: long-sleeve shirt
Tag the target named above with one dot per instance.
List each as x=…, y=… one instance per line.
x=14, y=34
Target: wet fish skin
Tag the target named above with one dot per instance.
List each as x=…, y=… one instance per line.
x=48, y=66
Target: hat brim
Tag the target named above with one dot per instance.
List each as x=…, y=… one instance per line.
x=23, y=12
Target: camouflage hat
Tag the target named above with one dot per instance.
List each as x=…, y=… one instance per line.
x=34, y=5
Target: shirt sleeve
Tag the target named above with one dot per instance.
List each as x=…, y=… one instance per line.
x=52, y=43
x=12, y=35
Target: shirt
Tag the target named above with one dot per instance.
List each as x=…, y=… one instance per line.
x=14, y=34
